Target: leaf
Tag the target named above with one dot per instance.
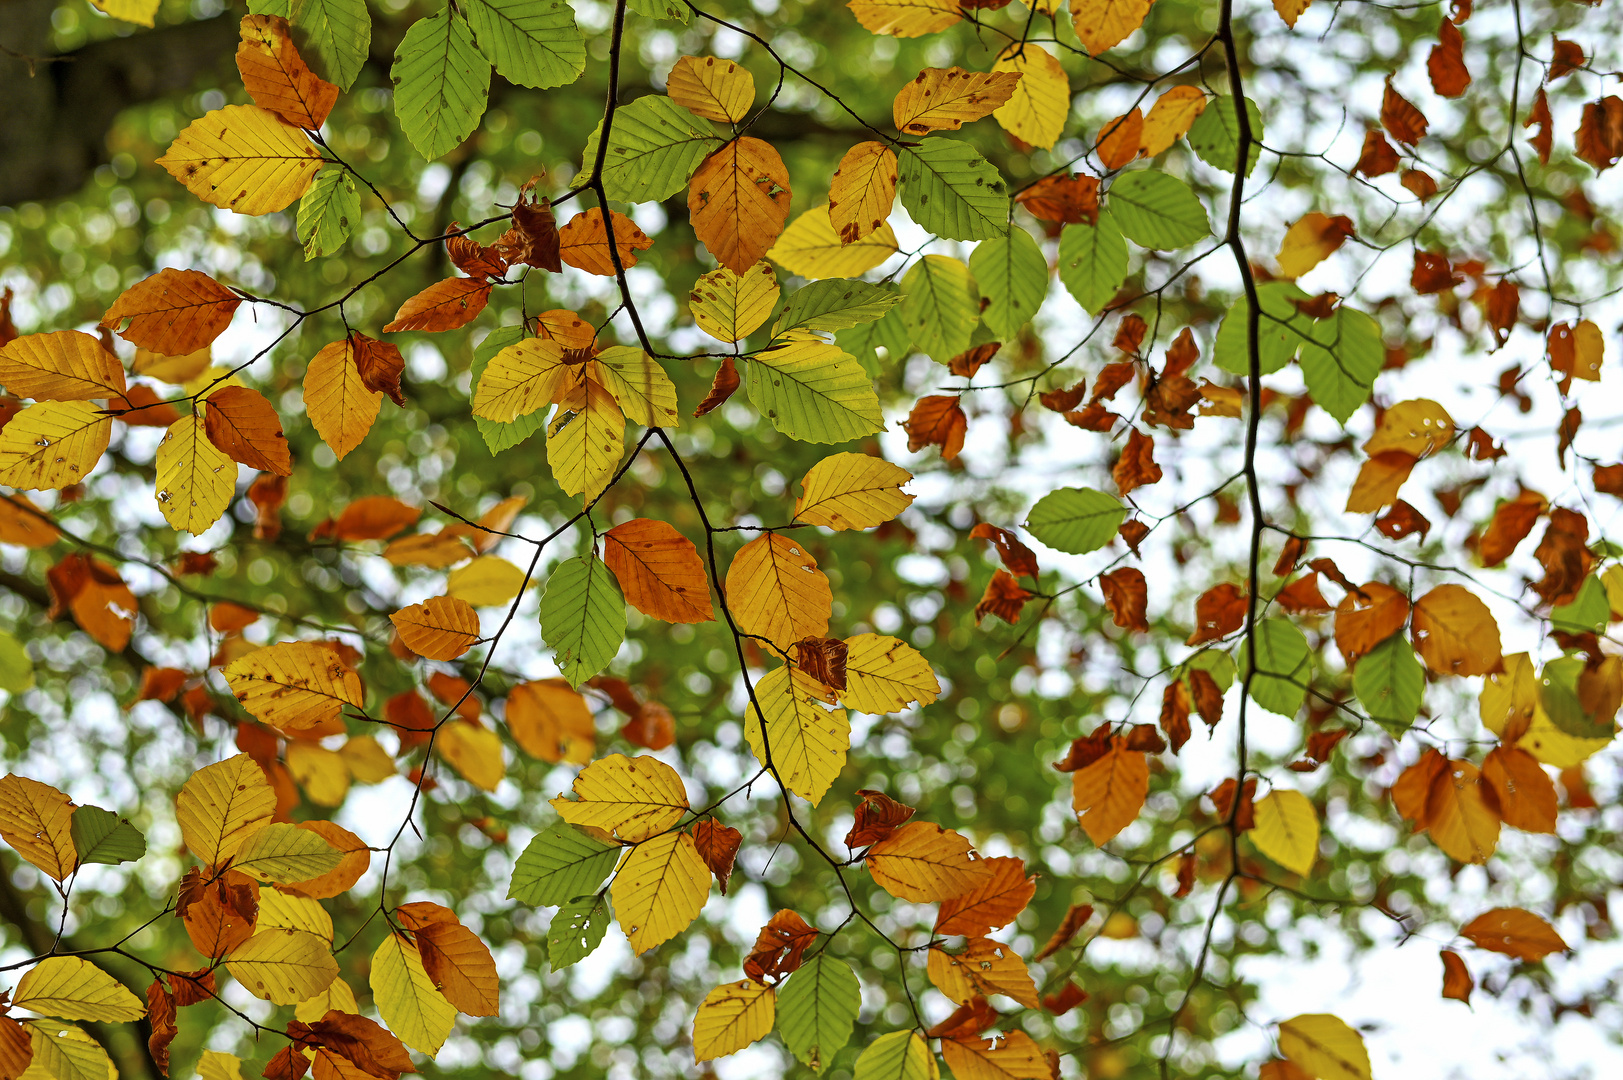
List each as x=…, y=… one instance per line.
x=71, y=988
x=533, y=43
x=374, y=517
x=244, y=425
x=659, y=571
x=659, y=890
x=278, y=909
x=243, y=158
x=1378, y=482
x=101, y=836
x=220, y=805
x=900, y=1055
x=811, y=248
x=1284, y=665
x=1457, y=981
x=583, y=618
x=295, y=686
x=1015, y=1055
x=335, y=35
x=1462, y=822
x=64, y=366
x=807, y=738
x=286, y=967
x=655, y=147
x=640, y=387
x=732, y=1016
x=577, y=930
x=1310, y=240
x=945, y=99
x=1417, y=427
x=560, y=863
x=584, y=242
x=1041, y=101
x=738, y=201
x=1390, y=684
x=1514, y=932
x=985, y=968
x=711, y=89
x=141, y=12
x=1340, y=359
x=440, y=628
x=817, y=1008
x=729, y=306
x=173, y=312
x=1287, y=830
x=1215, y=135
x=1522, y=792
x=812, y=391
x=63, y=1052
x=441, y=84
x=993, y=904
x=861, y=192
x=1108, y=793
x=1104, y=24
x=407, y=999
x=1157, y=210
x=718, y=847
x=1076, y=520
x=631, y=799
x=1093, y=261
x=196, y=479
x=339, y=405
x=1455, y=633
x=776, y=591
x=458, y=963
x=1281, y=330
x=852, y=491
x=518, y=378
x=284, y=854
x=36, y=820
x=1325, y=1047
x=1013, y=278
x=884, y=675
x=904, y=18
x=445, y=305
x=940, y=306
x=277, y=78
x=926, y=864
x=951, y=190
x=1170, y=118
x=834, y=305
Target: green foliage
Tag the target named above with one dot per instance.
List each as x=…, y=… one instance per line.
x=1077, y=520
x=1093, y=261
x=583, y=617
x=441, y=84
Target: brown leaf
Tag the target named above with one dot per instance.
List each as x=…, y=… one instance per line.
x=1599, y=140
x=718, y=847
x=1565, y=58
x=1219, y=611
x=1136, y=467
x=1244, y=816
x=146, y=409
x=1168, y=399
x=173, y=312
x=780, y=947
x=1432, y=274
x=937, y=421
x=1511, y=523
x=1129, y=337
x=652, y=726
x=1521, y=791
x=445, y=305
x=991, y=905
x=584, y=242
x=1539, y=116
x=1187, y=865
x=876, y=817
x=454, y=957
x=1112, y=378
x=1133, y=533
x=1457, y=981
x=1608, y=479
x=16, y=1046
x=193, y=987
x=1175, y=714
x=380, y=365
x=533, y=239
x=1514, y=932
x=473, y=258
x=1182, y=354
x=968, y=362
x=1017, y=557
x=722, y=386
x=288, y=1064
x=1563, y=552
x=1127, y=596
x=1368, y=616
x=1108, y=793
x=1501, y=306
x=1411, y=794
x=1378, y=158
x=1290, y=553
x=1003, y=597
x=1420, y=184
x=1446, y=63
x=99, y=600
x=374, y=517
x=244, y=424
x=1075, y=918
x=1321, y=744
x=1118, y=142
x=1571, y=421
x=368, y=1046
x=161, y=1017
x=219, y=915
x=1208, y=698
x=1063, y=400
x=1063, y=199
x=823, y=659
x=1402, y=120
x=1402, y=521
x=1093, y=418
x=967, y=1021
x=1302, y=596
x=1069, y=997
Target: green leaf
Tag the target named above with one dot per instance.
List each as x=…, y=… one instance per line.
x=952, y=191
x=817, y=1008
x=333, y=36
x=1589, y=611
x=577, y=930
x=532, y=42
x=1340, y=360
x=889, y=333
x=1558, y=694
x=940, y=306
x=814, y=392
x=655, y=147
x=1013, y=276
x=1157, y=210
x=328, y=211
x=1093, y=261
x=900, y=1055
x=560, y=863
x=441, y=84
x=1284, y=665
x=1076, y=520
x=1280, y=331
x=268, y=7
x=497, y=435
x=101, y=836
x=583, y=617
x=1215, y=135
x=1215, y=662
x=834, y=304
x=1390, y=684
x=16, y=669
x=674, y=10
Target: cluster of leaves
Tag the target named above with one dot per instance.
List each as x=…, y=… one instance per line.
x=818, y=333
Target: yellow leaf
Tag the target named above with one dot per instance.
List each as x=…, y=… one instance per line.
x=475, y=752
x=1037, y=110
x=284, y=966
x=428, y=549
x=245, y=159
x=904, y=18
x=732, y=1016
x=1287, y=830
x=811, y=248
x=1313, y=238
x=884, y=675
x=284, y=911
x=338, y=996
x=284, y=854
x=1509, y=700
x=711, y=88
x=140, y=12
x=175, y=370
x=926, y=864
x=215, y=1065
x=983, y=969
x=729, y=306
x=945, y=99
x=1588, y=344
x=405, y=997
x=1291, y=10
x=775, y=590
x=861, y=192
x=36, y=820
x=585, y=440
x=297, y=686
x=440, y=628
x=659, y=889
x=808, y=739
x=1418, y=426
x=526, y=376
x=71, y=988
x=1014, y=1054
x=1170, y=119
x=52, y=444
x=1104, y=24
x=1455, y=633
x=640, y=387
x=630, y=798
x=738, y=201
x=488, y=581
x=63, y=1052
x=1108, y=794
x=1325, y=1046
x=196, y=479
x=64, y=366
x=339, y=405
x=365, y=759
x=550, y=720
x=852, y=491
x=220, y=805
x=1378, y=481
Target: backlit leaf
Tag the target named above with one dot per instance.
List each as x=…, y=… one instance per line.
x=243, y=158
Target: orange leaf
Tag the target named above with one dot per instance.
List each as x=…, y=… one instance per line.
x=173, y=312
x=1219, y=611
x=277, y=78
x=1003, y=597
x=862, y=191
x=1075, y=918
x=584, y=242
x=1109, y=793
x=1119, y=139
x=984, y=968
x=1511, y=523
x=780, y=947
x=1015, y=1055
x=1446, y=63
x=718, y=847
x=936, y=421
x=1401, y=119
x=1302, y=596
x=993, y=904
x=1599, y=140
x=722, y=386
x=1455, y=633
x=1457, y=981
x=738, y=201
x=1379, y=480
x=1127, y=596
x=444, y=305
x=1514, y=932
x=926, y=864
x=340, y=406
x=1462, y=823
x=440, y=628
x=1368, y=616
x=775, y=590
x=23, y=524
x=1521, y=790
x=459, y=963
x=659, y=571
x=244, y=424
x=1411, y=794
x=1136, y=467
x=877, y=816
x=1377, y=158
x=374, y=517
x=1063, y=199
